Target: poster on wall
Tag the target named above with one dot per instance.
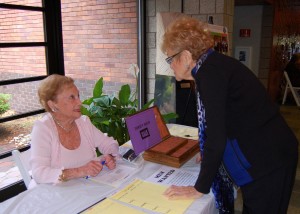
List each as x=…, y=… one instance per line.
x=243, y=54
x=165, y=83
x=220, y=36
x=163, y=20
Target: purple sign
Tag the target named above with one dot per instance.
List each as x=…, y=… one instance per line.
x=143, y=130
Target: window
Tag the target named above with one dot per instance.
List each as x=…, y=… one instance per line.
x=30, y=50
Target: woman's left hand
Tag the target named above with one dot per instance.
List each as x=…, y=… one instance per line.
x=110, y=161
x=198, y=158
x=182, y=192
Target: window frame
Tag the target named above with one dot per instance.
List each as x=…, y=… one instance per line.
x=54, y=65
x=53, y=46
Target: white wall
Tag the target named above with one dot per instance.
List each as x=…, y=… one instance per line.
x=248, y=17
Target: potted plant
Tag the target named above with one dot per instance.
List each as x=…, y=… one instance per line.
x=108, y=112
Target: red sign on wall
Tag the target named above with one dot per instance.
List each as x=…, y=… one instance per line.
x=245, y=32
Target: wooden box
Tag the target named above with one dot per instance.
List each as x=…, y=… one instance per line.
x=172, y=151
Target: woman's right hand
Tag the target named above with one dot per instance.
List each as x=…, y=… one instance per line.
x=182, y=192
x=92, y=168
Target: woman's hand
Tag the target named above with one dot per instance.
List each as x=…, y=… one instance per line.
x=198, y=158
x=92, y=168
x=182, y=192
x=110, y=161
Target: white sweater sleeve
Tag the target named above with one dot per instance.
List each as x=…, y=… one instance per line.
x=42, y=138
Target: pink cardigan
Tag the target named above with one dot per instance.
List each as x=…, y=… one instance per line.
x=45, y=147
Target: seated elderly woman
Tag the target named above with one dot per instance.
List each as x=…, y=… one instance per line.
x=63, y=142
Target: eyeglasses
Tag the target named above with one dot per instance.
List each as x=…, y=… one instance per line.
x=169, y=59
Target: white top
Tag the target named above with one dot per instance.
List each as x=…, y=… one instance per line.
x=77, y=157
x=48, y=159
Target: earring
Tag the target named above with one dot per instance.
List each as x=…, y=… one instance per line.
x=54, y=109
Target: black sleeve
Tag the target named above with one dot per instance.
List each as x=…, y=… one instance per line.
x=212, y=86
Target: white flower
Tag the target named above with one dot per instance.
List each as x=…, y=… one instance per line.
x=134, y=70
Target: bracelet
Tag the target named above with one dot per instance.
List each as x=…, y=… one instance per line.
x=62, y=177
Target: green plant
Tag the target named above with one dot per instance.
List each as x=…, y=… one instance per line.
x=108, y=113
x=4, y=103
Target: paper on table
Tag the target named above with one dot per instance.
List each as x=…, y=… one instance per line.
x=115, y=177
x=109, y=206
x=183, y=131
x=173, y=176
x=149, y=196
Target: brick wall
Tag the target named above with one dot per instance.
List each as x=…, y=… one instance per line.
x=24, y=96
x=99, y=40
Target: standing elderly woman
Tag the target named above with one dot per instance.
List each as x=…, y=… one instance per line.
x=243, y=139
x=63, y=142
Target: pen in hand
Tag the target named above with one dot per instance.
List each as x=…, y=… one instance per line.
x=102, y=163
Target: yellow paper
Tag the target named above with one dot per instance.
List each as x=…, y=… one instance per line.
x=149, y=196
x=108, y=207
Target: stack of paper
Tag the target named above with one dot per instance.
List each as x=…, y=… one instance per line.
x=117, y=176
x=140, y=196
x=149, y=196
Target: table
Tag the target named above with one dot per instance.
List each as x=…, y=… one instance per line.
x=78, y=194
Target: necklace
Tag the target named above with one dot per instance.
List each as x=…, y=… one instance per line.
x=61, y=126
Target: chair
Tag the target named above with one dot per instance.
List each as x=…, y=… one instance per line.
x=22, y=162
x=294, y=90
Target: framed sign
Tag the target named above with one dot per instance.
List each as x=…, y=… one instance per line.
x=244, y=55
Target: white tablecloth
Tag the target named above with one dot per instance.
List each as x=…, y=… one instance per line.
x=76, y=195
